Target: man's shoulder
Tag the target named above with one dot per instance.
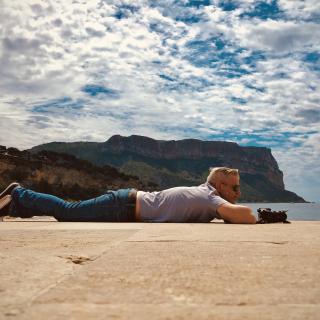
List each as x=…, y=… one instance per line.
x=210, y=188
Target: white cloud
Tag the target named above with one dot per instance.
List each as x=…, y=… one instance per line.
x=51, y=50
x=302, y=9
x=277, y=36
x=301, y=164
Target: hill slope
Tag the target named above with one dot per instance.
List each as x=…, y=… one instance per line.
x=61, y=174
x=185, y=162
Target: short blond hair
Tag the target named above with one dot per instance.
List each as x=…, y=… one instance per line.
x=216, y=173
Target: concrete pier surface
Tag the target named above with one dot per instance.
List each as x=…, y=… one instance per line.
x=54, y=270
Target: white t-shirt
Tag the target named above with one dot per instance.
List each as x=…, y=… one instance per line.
x=180, y=204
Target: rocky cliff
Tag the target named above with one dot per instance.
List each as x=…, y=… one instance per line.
x=250, y=160
x=61, y=174
x=185, y=162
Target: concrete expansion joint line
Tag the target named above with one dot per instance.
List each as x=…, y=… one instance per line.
x=49, y=287
x=67, y=275
x=215, y=241
x=115, y=244
x=245, y=304
x=81, y=259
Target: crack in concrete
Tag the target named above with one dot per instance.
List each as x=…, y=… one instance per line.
x=272, y=242
x=77, y=259
x=24, y=307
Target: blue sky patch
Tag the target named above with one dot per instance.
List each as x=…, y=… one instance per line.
x=259, y=89
x=124, y=11
x=95, y=90
x=258, y=138
x=198, y=3
x=264, y=10
x=228, y=5
x=239, y=100
x=213, y=53
x=312, y=60
x=254, y=58
x=165, y=77
x=188, y=18
x=312, y=57
x=52, y=106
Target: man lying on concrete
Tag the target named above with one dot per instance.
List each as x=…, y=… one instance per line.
x=214, y=199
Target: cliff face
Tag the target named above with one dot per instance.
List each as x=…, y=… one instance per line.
x=185, y=162
x=249, y=160
x=61, y=174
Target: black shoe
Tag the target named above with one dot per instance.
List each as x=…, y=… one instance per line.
x=5, y=199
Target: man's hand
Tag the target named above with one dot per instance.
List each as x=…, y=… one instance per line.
x=233, y=213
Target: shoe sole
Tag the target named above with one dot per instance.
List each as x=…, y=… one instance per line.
x=4, y=202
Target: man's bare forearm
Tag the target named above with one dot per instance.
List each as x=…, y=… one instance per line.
x=237, y=214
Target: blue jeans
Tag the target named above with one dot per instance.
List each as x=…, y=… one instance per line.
x=113, y=206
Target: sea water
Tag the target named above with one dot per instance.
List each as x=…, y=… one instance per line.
x=296, y=211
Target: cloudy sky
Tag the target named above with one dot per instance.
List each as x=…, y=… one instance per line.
x=244, y=71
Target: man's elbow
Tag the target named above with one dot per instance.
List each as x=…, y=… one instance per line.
x=245, y=217
x=248, y=217
x=252, y=219
x=237, y=214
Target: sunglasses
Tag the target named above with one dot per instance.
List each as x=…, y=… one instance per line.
x=235, y=188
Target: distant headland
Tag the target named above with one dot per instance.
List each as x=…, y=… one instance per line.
x=160, y=164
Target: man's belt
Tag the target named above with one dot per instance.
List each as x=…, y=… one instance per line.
x=132, y=198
